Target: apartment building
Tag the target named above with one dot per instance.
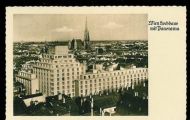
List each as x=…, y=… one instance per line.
x=29, y=80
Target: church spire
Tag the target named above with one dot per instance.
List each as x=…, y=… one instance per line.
x=86, y=28
x=86, y=36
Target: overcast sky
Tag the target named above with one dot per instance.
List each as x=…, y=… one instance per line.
x=41, y=27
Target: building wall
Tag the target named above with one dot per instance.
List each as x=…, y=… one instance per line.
x=57, y=73
x=111, y=80
x=29, y=81
x=61, y=74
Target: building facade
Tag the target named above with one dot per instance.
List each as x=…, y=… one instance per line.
x=29, y=81
x=62, y=73
x=57, y=73
x=107, y=81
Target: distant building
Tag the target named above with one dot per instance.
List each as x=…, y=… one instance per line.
x=58, y=50
x=75, y=44
x=99, y=50
x=29, y=81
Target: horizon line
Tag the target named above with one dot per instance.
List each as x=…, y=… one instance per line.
x=81, y=39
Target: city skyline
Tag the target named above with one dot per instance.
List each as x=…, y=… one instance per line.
x=51, y=27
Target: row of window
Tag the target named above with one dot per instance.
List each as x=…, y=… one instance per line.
x=112, y=74
x=110, y=83
x=24, y=74
x=46, y=65
x=68, y=70
x=97, y=89
x=66, y=65
x=110, y=79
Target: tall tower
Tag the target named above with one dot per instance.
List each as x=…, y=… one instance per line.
x=86, y=36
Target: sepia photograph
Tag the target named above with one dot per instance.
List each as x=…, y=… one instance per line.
x=97, y=63
x=80, y=64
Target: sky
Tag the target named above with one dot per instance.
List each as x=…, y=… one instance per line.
x=50, y=27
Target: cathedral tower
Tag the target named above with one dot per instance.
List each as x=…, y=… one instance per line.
x=86, y=37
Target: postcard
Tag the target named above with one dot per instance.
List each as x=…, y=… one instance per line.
x=114, y=62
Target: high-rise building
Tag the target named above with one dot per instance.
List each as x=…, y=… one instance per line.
x=58, y=72
x=62, y=73
x=86, y=36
